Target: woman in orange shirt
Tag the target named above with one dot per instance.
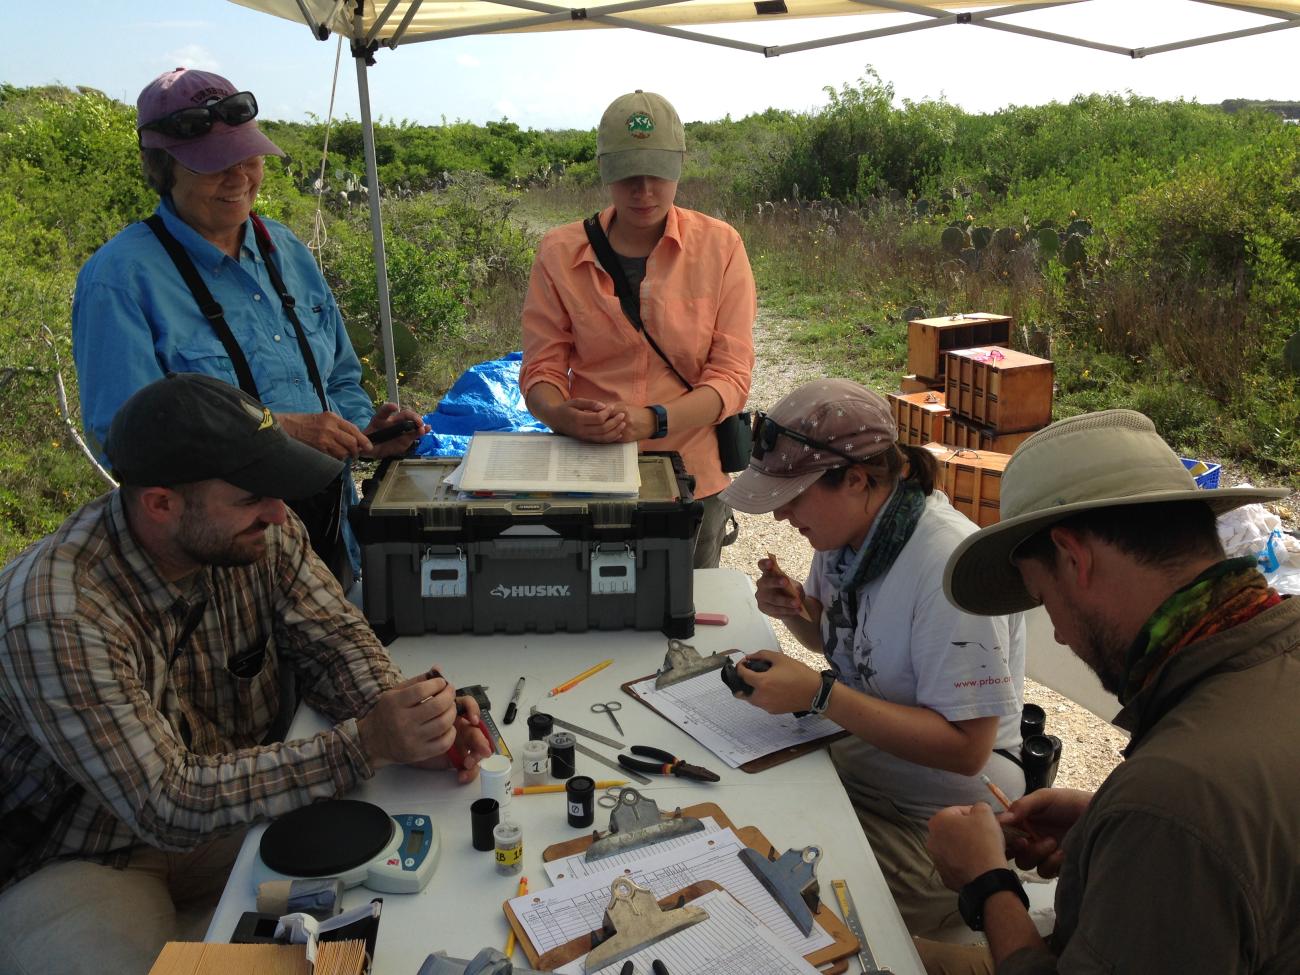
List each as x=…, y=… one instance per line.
x=588, y=372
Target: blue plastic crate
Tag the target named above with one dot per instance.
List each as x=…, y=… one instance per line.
x=1208, y=480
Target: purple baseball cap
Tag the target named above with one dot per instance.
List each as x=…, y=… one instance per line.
x=222, y=146
x=850, y=419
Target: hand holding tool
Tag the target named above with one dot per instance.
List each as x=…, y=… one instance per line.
x=391, y=432
x=773, y=567
x=665, y=763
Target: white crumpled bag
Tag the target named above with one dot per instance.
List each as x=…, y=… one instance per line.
x=1254, y=530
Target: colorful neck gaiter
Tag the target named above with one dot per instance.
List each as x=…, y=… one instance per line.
x=1223, y=596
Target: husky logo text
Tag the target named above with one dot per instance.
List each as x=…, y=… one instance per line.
x=513, y=592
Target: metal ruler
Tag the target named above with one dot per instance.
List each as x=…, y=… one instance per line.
x=609, y=763
x=865, y=958
x=560, y=723
x=497, y=738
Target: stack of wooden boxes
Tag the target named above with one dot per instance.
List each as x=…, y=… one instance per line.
x=978, y=401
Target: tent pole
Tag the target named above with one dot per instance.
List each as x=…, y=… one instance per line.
x=377, y=229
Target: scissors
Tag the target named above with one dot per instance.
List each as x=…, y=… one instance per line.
x=609, y=707
x=610, y=799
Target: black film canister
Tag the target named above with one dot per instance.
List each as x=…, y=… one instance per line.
x=539, y=726
x=562, y=755
x=581, y=792
x=484, y=815
x=1033, y=720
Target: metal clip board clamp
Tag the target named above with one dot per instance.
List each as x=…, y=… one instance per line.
x=638, y=922
x=634, y=822
x=683, y=661
x=791, y=878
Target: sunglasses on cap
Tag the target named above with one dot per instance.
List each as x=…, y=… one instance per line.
x=190, y=123
x=766, y=430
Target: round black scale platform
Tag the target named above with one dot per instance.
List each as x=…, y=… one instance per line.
x=326, y=839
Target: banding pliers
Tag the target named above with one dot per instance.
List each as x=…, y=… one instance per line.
x=665, y=763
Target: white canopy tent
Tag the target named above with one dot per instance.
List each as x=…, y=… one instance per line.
x=371, y=24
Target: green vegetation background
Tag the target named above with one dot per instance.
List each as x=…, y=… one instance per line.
x=1151, y=249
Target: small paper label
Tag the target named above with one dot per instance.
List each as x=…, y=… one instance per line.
x=511, y=856
x=575, y=809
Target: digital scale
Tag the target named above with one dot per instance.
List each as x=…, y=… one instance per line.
x=355, y=841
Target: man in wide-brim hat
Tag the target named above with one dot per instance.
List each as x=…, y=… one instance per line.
x=1185, y=860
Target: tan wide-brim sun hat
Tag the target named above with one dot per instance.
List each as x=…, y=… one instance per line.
x=1097, y=460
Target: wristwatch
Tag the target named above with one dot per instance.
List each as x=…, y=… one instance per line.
x=971, y=898
x=661, y=421
x=822, y=698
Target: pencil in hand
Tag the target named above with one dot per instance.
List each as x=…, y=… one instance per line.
x=803, y=610
x=1001, y=797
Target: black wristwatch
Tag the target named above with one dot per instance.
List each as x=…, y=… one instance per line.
x=822, y=699
x=971, y=898
x=661, y=422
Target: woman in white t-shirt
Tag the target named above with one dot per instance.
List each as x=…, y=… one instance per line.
x=926, y=691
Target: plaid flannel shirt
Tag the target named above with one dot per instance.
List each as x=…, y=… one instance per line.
x=168, y=742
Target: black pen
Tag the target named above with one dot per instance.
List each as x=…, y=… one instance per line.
x=513, y=707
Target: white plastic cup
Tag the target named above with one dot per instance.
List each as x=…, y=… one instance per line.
x=494, y=772
x=537, y=765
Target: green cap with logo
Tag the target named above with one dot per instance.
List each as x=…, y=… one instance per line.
x=189, y=427
x=640, y=135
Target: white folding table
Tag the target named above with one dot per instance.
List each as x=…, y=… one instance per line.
x=794, y=804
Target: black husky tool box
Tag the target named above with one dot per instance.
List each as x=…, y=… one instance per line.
x=434, y=563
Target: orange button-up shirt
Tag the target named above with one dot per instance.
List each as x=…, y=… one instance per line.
x=697, y=300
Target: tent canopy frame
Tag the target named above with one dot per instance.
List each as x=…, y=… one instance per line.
x=348, y=18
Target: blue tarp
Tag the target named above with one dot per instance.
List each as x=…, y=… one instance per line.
x=485, y=397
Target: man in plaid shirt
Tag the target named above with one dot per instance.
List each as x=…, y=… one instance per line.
x=146, y=650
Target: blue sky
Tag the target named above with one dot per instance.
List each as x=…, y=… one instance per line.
x=565, y=80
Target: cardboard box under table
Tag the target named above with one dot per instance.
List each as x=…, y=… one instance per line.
x=433, y=563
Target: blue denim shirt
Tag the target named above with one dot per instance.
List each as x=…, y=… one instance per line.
x=134, y=320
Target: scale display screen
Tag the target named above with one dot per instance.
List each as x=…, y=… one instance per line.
x=414, y=840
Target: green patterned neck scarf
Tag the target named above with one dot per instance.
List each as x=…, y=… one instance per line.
x=886, y=538
x=1224, y=595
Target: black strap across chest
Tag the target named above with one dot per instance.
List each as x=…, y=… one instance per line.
x=626, y=297
x=213, y=312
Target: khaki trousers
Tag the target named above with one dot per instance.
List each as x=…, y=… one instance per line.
x=899, y=845
x=74, y=916
x=713, y=526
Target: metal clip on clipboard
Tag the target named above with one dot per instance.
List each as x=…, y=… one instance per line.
x=634, y=822
x=683, y=662
x=791, y=878
x=637, y=921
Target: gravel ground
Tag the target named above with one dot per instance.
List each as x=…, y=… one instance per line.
x=1091, y=746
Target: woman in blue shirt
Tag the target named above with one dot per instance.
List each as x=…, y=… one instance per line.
x=135, y=319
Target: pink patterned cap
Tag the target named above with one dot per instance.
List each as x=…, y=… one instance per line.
x=823, y=424
x=222, y=146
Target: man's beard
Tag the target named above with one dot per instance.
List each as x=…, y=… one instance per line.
x=1107, y=651
x=206, y=545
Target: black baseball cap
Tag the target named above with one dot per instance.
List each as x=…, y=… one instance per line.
x=190, y=427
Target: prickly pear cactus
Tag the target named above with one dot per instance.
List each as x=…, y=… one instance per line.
x=1048, y=241
x=1081, y=227
x=954, y=240
x=1005, y=238
x=980, y=237
x=972, y=257
x=1073, y=253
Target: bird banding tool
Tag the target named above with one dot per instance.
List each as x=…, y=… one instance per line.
x=791, y=878
x=634, y=822
x=636, y=921
x=682, y=662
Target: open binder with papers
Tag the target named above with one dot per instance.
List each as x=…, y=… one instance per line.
x=529, y=463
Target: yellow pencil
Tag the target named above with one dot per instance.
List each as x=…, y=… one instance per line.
x=510, y=939
x=1001, y=797
x=537, y=790
x=577, y=680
